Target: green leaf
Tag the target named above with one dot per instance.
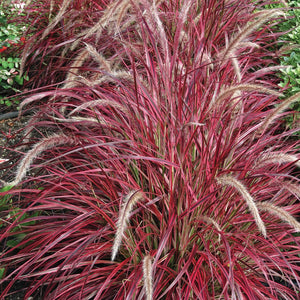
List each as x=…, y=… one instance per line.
x=19, y=80
x=16, y=240
x=4, y=64
x=2, y=271
x=6, y=188
x=2, y=20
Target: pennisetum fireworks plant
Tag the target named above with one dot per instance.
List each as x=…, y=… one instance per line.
x=159, y=168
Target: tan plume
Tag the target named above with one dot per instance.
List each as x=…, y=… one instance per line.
x=227, y=180
x=280, y=213
x=277, y=111
x=148, y=280
x=292, y=187
x=210, y=220
x=57, y=18
x=74, y=68
x=99, y=102
x=129, y=201
x=100, y=59
x=245, y=87
x=263, y=17
x=43, y=145
x=276, y=158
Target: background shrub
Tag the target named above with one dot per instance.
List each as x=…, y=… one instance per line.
x=291, y=58
x=291, y=75
x=11, y=40
x=158, y=167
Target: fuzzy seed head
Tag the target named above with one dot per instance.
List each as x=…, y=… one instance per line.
x=280, y=213
x=210, y=220
x=44, y=144
x=276, y=158
x=129, y=201
x=263, y=17
x=247, y=88
x=148, y=280
x=227, y=180
x=277, y=111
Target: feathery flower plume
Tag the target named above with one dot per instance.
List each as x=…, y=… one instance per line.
x=148, y=280
x=280, y=108
x=81, y=119
x=57, y=18
x=209, y=220
x=152, y=17
x=276, y=158
x=280, y=213
x=43, y=145
x=129, y=201
x=186, y=7
x=227, y=180
x=100, y=79
x=74, y=68
x=111, y=74
x=248, y=29
x=113, y=15
x=236, y=68
x=245, y=87
x=237, y=94
x=264, y=71
x=100, y=102
x=103, y=63
x=50, y=9
x=33, y=98
x=249, y=45
x=291, y=187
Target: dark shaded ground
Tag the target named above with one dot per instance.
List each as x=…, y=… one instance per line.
x=19, y=294
x=10, y=136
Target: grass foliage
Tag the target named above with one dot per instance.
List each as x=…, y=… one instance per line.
x=158, y=167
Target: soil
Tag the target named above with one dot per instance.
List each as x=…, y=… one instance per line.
x=11, y=133
x=19, y=293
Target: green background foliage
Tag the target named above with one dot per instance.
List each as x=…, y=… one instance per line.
x=291, y=75
x=10, y=39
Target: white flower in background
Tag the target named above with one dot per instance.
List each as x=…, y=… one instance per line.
x=19, y=5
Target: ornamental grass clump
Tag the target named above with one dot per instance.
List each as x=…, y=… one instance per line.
x=159, y=168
